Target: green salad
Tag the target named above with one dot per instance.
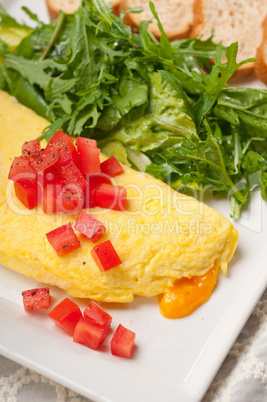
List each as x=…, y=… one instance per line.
x=161, y=107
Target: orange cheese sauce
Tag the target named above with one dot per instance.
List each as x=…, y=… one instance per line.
x=187, y=294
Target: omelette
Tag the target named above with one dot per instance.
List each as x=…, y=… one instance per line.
x=161, y=237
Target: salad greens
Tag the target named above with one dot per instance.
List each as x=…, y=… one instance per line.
x=158, y=106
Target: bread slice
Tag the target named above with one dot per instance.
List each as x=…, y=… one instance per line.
x=70, y=6
x=261, y=63
x=176, y=16
x=232, y=20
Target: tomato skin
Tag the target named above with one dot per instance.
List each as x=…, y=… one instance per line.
x=30, y=147
x=105, y=256
x=111, y=197
x=60, y=136
x=89, y=333
x=66, y=314
x=111, y=167
x=97, y=314
x=89, y=156
x=89, y=226
x=21, y=171
x=65, y=148
x=70, y=200
x=94, y=181
x=44, y=159
x=63, y=240
x=84, y=142
x=35, y=299
x=122, y=342
x=27, y=194
x=70, y=175
x=49, y=198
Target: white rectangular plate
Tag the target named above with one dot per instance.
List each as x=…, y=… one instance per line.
x=174, y=360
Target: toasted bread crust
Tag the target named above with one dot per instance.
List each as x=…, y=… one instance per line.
x=261, y=63
x=54, y=8
x=134, y=20
x=198, y=18
x=199, y=24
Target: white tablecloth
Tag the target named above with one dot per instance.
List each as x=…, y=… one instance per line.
x=242, y=377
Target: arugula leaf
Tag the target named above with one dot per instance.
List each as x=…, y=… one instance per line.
x=41, y=73
x=244, y=108
x=25, y=93
x=255, y=163
x=212, y=84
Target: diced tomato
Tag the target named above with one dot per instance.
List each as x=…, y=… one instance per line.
x=35, y=299
x=89, y=333
x=31, y=147
x=122, y=342
x=89, y=226
x=65, y=148
x=83, y=142
x=111, y=197
x=61, y=136
x=21, y=171
x=94, y=181
x=71, y=175
x=111, y=167
x=89, y=156
x=105, y=256
x=47, y=177
x=45, y=158
x=63, y=240
x=27, y=194
x=97, y=314
x=49, y=198
x=66, y=314
x=70, y=200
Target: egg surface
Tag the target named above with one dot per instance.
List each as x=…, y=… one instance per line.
x=161, y=237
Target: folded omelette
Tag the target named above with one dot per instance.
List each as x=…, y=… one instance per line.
x=163, y=235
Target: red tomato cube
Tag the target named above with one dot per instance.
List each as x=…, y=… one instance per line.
x=70, y=175
x=60, y=136
x=65, y=148
x=97, y=314
x=21, y=171
x=66, y=314
x=35, y=299
x=89, y=156
x=89, y=226
x=111, y=197
x=49, y=198
x=111, y=167
x=83, y=142
x=63, y=240
x=70, y=200
x=94, y=181
x=105, y=256
x=31, y=147
x=122, y=342
x=45, y=158
x=90, y=333
x=27, y=194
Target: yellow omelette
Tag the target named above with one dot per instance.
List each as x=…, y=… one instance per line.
x=163, y=236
